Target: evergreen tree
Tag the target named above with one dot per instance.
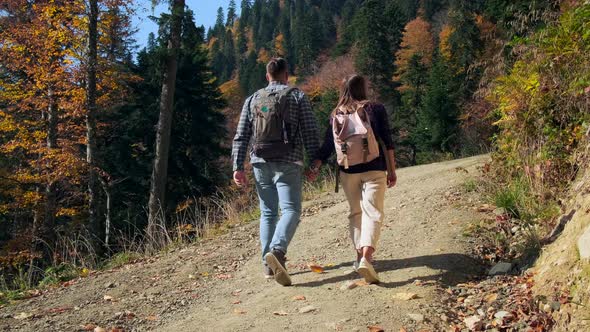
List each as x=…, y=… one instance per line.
x=231, y=13
x=438, y=123
x=219, y=26
x=378, y=34
x=229, y=56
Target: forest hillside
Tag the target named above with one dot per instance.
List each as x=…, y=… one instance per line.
x=110, y=153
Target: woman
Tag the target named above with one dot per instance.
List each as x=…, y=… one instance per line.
x=365, y=182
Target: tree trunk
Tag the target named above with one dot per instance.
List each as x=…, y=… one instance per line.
x=48, y=228
x=160, y=166
x=91, y=58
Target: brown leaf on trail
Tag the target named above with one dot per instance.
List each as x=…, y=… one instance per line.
x=316, y=268
x=299, y=298
x=236, y=292
x=490, y=298
x=236, y=302
x=116, y=329
x=485, y=208
x=239, y=311
x=88, y=327
x=151, y=318
x=403, y=329
x=109, y=298
x=99, y=329
x=58, y=310
x=375, y=328
x=362, y=283
x=223, y=276
x=280, y=313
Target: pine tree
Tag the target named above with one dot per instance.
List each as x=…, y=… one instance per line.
x=438, y=123
x=378, y=33
x=231, y=13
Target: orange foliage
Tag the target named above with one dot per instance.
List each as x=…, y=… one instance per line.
x=263, y=56
x=42, y=53
x=279, y=46
x=329, y=76
x=417, y=39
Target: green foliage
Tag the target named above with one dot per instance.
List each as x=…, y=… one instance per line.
x=121, y=259
x=127, y=145
x=542, y=111
x=437, y=121
x=60, y=273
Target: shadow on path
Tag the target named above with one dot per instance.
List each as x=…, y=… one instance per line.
x=452, y=268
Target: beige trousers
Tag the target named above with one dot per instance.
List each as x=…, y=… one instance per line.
x=365, y=193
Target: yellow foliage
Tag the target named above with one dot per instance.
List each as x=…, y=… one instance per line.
x=445, y=48
x=263, y=56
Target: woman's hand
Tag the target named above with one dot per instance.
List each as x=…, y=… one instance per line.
x=391, y=179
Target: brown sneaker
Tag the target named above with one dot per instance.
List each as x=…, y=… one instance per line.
x=275, y=259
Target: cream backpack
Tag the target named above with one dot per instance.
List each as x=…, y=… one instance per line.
x=354, y=138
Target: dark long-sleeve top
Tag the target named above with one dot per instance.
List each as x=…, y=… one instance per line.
x=380, y=125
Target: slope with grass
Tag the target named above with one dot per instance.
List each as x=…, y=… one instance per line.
x=218, y=283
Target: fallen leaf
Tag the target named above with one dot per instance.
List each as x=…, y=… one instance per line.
x=84, y=273
x=405, y=296
x=239, y=311
x=299, y=298
x=205, y=274
x=316, y=268
x=23, y=315
x=280, y=313
x=151, y=318
x=375, y=328
x=236, y=302
x=490, y=298
x=403, y=329
x=58, y=310
x=108, y=298
x=362, y=283
x=223, y=276
x=116, y=329
x=88, y=327
x=99, y=329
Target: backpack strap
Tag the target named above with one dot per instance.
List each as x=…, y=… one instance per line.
x=361, y=108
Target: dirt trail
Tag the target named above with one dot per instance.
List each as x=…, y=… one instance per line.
x=218, y=284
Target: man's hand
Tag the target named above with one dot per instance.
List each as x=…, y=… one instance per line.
x=391, y=179
x=240, y=178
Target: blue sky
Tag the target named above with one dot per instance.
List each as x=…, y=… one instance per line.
x=205, y=14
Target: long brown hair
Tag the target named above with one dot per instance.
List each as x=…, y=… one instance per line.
x=354, y=90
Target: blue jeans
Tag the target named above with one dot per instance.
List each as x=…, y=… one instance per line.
x=278, y=185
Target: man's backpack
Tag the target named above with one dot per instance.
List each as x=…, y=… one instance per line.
x=354, y=138
x=272, y=137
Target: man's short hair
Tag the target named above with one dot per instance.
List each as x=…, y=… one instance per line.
x=276, y=67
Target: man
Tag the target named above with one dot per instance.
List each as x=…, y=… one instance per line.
x=280, y=123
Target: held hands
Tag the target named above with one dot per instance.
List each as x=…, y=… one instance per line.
x=240, y=178
x=314, y=170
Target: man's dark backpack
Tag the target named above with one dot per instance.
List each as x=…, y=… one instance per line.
x=272, y=137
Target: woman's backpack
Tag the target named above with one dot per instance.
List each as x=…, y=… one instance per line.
x=354, y=138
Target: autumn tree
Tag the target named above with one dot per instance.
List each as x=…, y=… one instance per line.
x=42, y=105
x=417, y=40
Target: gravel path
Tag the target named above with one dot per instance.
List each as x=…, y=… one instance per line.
x=218, y=285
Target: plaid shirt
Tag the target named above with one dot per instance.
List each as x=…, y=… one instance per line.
x=301, y=118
